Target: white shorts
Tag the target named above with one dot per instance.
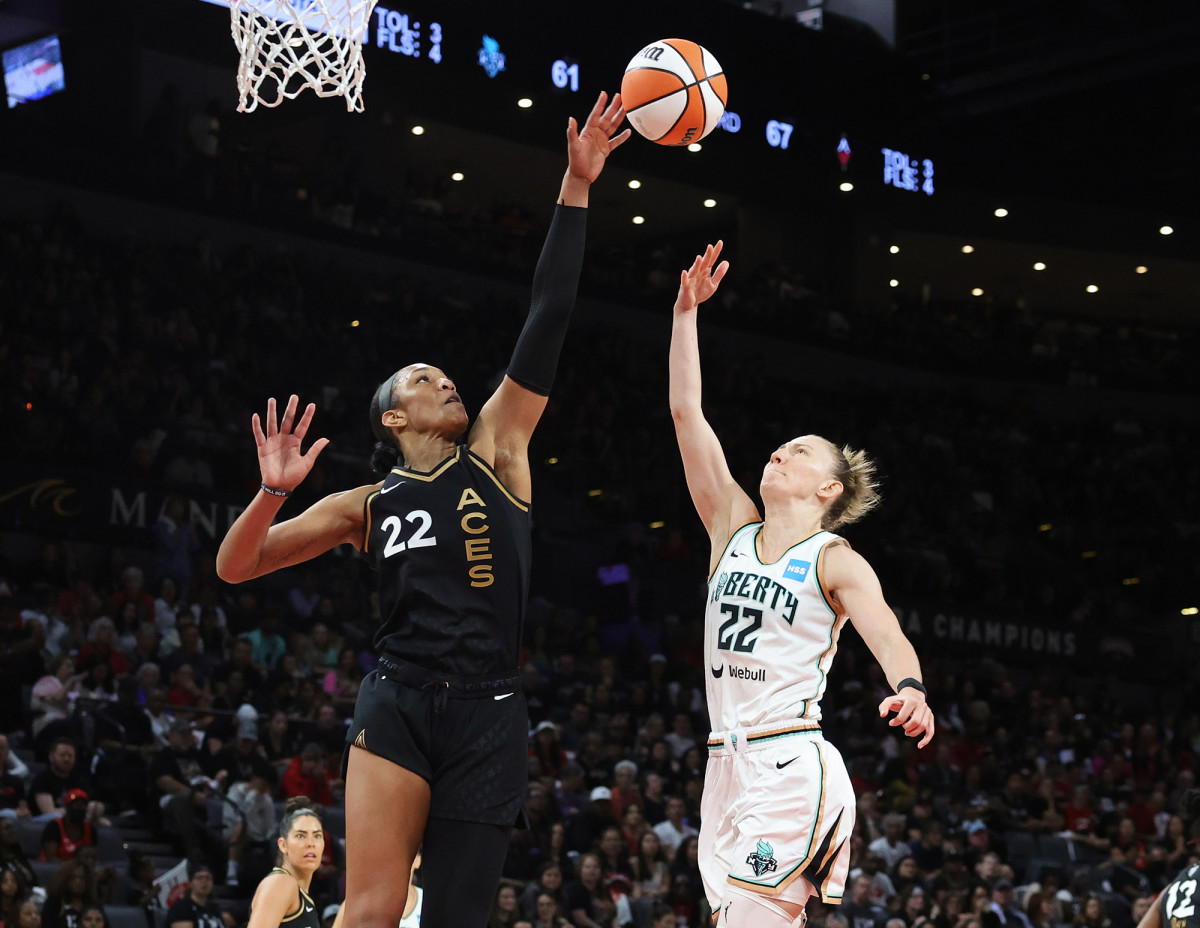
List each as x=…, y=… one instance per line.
x=776, y=815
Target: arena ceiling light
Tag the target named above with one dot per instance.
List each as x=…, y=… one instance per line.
x=524, y=103
x=845, y=186
x=967, y=249
x=695, y=146
x=710, y=202
x=418, y=130
x=1000, y=212
x=895, y=249
x=1039, y=265
x=1092, y=288
x=634, y=184
x=893, y=282
x=457, y=175
x=638, y=220
x=1140, y=269
x=1165, y=230
x=977, y=291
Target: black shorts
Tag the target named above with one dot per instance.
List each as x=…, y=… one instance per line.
x=467, y=737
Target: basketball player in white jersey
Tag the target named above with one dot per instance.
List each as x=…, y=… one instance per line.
x=778, y=807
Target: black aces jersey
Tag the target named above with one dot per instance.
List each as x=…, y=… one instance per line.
x=1177, y=903
x=453, y=551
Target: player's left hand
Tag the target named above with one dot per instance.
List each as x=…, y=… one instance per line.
x=912, y=714
x=587, y=148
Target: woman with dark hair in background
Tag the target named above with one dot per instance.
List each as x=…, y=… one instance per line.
x=13, y=892
x=283, y=894
x=12, y=855
x=586, y=900
x=438, y=746
x=70, y=890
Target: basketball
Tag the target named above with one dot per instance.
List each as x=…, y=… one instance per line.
x=674, y=92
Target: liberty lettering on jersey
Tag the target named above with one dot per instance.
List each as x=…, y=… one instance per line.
x=478, y=548
x=765, y=590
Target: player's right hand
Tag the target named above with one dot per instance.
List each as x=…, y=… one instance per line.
x=280, y=460
x=700, y=281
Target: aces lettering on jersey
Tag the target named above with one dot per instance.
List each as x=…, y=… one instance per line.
x=478, y=548
x=474, y=523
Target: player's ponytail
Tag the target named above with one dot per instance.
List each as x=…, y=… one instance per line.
x=860, y=489
x=295, y=808
x=386, y=453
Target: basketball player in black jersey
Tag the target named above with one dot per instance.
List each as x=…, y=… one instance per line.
x=438, y=744
x=1176, y=906
x=282, y=897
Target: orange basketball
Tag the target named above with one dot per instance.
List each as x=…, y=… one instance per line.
x=674, y=92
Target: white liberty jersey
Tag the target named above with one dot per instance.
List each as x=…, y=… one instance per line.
x=770, y=633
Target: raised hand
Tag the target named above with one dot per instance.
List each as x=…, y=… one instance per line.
x=700, y=281
x=282, y=464
x=589, y=147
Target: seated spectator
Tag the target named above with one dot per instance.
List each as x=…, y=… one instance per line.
x=97, y=682
x=673, y=829
x=651, y=869
x=92, y=916
x=133, y=590
x=585, y=827
x=13, y=893
x=50, y=701
x=612, y=853
x=250, y=824
x=625, y=791
x=320, y=652
x=504, y=912
x=50, y=787
x=161, y=718
x=29, y=915
x=663, y=916
x=279, y=742
x=858, y=910
x=891, y=847
x=549, y=881
x=1002, y=905
x=549, y=913
x=190, y=653
x=306, y=776
x=182, y=790
x=197, y=909
x=907, y=874
x=69, y=892
x=142, y=892
x=12, y=787
x=267, y=645
x=102, y=647
x=588, y=903
x=63, y=837
x=342, y=682
x=12, y=856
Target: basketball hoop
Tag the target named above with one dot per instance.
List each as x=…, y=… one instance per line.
x=287, y=46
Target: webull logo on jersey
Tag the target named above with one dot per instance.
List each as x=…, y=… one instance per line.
x=763, y=590
x=797, y=570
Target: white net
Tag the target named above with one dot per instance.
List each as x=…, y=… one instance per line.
x=287, y=46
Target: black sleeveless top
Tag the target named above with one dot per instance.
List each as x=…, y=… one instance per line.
x=306, y=914
x=1177, y=903
x=453, y=550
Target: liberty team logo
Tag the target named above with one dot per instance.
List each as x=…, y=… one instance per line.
x=797, y=570
x=763, y=859
x=721, y=581
x=490, y=57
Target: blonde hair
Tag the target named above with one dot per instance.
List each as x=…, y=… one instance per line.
x=860, y=489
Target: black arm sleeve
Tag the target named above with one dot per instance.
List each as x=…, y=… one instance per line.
x=555, y=282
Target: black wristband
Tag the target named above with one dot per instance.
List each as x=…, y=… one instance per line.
x=914, y=683
x=274, y=492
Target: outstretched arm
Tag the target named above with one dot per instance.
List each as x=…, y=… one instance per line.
x=254, y=546
x=854, y=586
x=723, y=506
x=501, y=433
